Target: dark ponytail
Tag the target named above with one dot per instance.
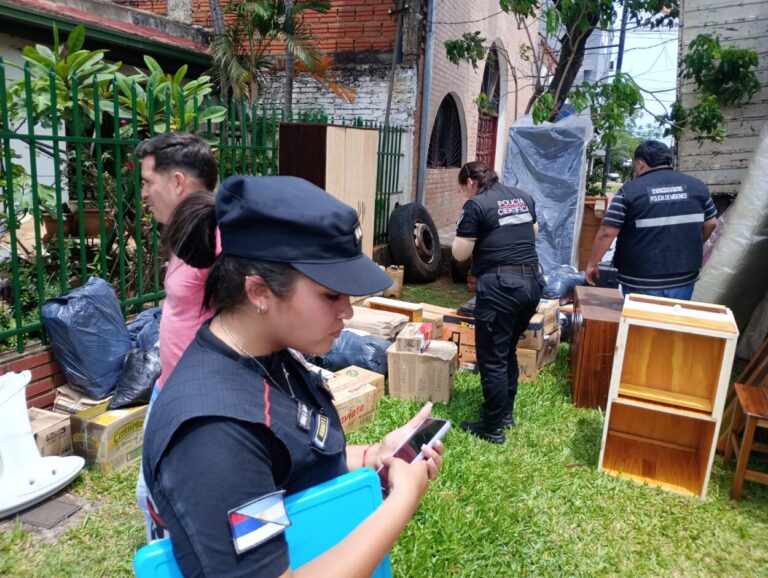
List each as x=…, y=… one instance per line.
x=478, y=172
x=191, y=232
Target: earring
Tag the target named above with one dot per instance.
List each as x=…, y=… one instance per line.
x=261, y=309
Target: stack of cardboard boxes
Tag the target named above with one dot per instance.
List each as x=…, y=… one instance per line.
x=356, y=391
x=539, y=345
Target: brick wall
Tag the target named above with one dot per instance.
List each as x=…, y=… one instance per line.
x=443, y=198
x=46, y=374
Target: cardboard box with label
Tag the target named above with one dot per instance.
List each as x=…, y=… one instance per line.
x=460, y=329
x=422, y=376
x=413, y=311
x=51, y=431
x=414, y=338
x=434, y=314
x=549, y=308
x=110, y=439
x=527, y=364
x=533, y=337
x=353, y=375
x=356, y=406
x=70, y=400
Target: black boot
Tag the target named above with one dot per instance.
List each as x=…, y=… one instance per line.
x=494, y=435
x=508, y=421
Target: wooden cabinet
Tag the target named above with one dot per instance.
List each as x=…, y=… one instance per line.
x=594, y=327
x=670, y=376
x=340, y=159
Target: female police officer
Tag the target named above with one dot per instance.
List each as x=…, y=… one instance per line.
x=497, y=228
x=240, y=419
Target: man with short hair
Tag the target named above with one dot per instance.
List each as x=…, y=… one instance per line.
x=660, y=221
x=174, y=165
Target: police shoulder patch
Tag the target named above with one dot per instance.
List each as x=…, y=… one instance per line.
x=257, y=521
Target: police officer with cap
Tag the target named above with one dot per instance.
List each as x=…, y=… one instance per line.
x=241, y=420
x=498, y=228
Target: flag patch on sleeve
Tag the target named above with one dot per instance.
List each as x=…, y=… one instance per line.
x=258, y=521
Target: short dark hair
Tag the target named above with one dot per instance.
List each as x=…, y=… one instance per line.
x=654, y=153
x=478, y=172
x=181, y=151
x=225, y=285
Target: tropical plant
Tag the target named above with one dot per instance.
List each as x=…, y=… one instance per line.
x=244, y=56
x=159, y=101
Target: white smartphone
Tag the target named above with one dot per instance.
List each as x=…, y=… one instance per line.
x=429, y=431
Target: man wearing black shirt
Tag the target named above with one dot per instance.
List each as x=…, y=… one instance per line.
x=660, y=221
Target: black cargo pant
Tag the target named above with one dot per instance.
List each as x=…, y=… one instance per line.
x=505, y=303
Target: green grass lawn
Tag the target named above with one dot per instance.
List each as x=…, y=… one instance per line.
x=534, y=506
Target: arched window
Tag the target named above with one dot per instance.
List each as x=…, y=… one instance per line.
x=445, y=143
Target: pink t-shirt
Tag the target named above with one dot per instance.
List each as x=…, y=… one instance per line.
x=183, y=312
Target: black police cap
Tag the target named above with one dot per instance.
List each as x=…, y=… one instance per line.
x=290, y=220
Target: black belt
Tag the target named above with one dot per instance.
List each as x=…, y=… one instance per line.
x=513, y=268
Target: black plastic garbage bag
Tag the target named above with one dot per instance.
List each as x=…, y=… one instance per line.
x=565, y=321
x=140, y=372
x=145, y=328
x=88, y=336
x=367, y=351
x=561, y=282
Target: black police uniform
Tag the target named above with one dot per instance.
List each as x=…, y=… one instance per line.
x=509, y=284
x=660, y=214
x=223, y=434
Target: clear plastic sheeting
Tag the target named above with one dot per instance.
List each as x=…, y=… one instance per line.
x=549, y=161
x=736, y=274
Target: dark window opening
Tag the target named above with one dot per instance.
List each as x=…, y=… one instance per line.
x=445, y=148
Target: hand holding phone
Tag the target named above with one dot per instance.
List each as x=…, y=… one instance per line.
x=428, y=432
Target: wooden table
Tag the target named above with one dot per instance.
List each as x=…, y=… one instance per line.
x=594, y=328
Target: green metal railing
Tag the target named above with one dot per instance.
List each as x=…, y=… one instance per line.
x=83, y=154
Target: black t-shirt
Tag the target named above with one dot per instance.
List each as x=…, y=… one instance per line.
x=501, y=220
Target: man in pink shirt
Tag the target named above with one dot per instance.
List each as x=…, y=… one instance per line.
x=174, y=166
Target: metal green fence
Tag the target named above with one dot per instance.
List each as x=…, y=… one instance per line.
x=70, y=195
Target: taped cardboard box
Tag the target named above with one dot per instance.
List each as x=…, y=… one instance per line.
x=422, y=376
x=356, y=406
x=414, y=337
x=527, y=364
x=413, y=311
x=548, y=353
x=384, y=324
x=51, y=431
x=69, y=400
x=549, y=308
x=110, y=439
x=533, y=337
x=434, y=315
x=353, y=375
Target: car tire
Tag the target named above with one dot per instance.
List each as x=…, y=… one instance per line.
x=414, y=242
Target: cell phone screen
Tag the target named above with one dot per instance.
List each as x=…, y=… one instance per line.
x=411, y=449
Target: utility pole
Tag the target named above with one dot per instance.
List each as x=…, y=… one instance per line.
x=619, y=60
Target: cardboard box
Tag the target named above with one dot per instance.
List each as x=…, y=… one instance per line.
x=51, y=431
x=356, y=406
x=460, y=329
x=527, y=366
x=422, y=376
x=384, y=324
x=533, y=337
x=549, y=309
x=413, y=311
x=110, y=439
x=353, y=375
x=548, y=353
x=70, y=400
x=414, y=337
x=434, y=315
